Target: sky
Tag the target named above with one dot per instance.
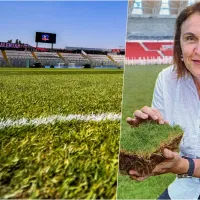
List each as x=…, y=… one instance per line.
x=93, y=24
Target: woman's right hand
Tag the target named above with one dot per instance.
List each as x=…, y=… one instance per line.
x=146, y=113
x=173, y=163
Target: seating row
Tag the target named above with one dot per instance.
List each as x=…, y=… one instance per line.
x=135, y=50
x=19, y=58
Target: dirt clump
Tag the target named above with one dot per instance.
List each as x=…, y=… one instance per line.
x=144, y=163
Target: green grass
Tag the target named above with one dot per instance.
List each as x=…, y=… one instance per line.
x=138, y=88
x=34, y=93
x=151, y=188
x=148, y=138
x=64, y=160
x=59, y=71
x=71, y=160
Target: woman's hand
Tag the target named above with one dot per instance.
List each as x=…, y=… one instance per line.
x=173, y=164
x=146, y=113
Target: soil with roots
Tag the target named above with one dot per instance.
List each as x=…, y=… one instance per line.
x=144, y=165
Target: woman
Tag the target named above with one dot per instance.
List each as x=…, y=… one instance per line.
x=176, y=100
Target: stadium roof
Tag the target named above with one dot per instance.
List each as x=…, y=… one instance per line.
x=92, y=49
x=157, y=8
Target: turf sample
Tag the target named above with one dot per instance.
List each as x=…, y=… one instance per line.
x=141, y=147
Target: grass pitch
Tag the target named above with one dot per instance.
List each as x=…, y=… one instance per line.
x=65, y=159
x=32, y=93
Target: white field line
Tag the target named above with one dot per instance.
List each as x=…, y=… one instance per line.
x=55, y=118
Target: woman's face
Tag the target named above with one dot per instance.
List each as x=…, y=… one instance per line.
x=190, y=44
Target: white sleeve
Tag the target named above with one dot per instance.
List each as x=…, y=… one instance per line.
x=158, y=100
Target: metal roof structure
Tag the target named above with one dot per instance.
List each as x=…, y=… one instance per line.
x=157, y=8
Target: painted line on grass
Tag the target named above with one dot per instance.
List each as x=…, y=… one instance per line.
x=55, y=118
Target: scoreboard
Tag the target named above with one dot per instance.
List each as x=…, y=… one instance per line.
x=45, y=37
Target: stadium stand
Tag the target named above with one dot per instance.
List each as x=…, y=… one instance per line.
x=118, y=58
x=164, y=48
x=17, y=55
x=18, y=58
x=3, y=63
x=77, y=59
x=167, y=52
x=134, y=50
x=48, y=58
x=150, y=30
x=98, y=57
x=157, y=45
x=101, y=60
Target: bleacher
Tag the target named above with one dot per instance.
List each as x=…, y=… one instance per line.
x=134, y=50
x=48, y=58
x=166, y=48
x=2, y=61
x=98, y=57
x=149, y=38
x=148, y=50
x=118, y=58
x=167, y=52
x=27, y=56
x=18, y=58
x=99, y=60
x=77, y=59
x=150, y=31
x=150, y=28
x=156, y=45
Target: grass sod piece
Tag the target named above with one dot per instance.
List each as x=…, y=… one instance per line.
x=141, y=147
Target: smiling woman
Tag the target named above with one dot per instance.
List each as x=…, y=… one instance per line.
x=190, y=45
x=176, y=100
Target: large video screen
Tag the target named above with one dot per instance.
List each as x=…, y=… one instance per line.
x=45, y=37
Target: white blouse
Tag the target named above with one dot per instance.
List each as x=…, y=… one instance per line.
x=179, y=103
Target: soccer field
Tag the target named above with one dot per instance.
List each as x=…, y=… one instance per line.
x=59, y=133
x=138, y=88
